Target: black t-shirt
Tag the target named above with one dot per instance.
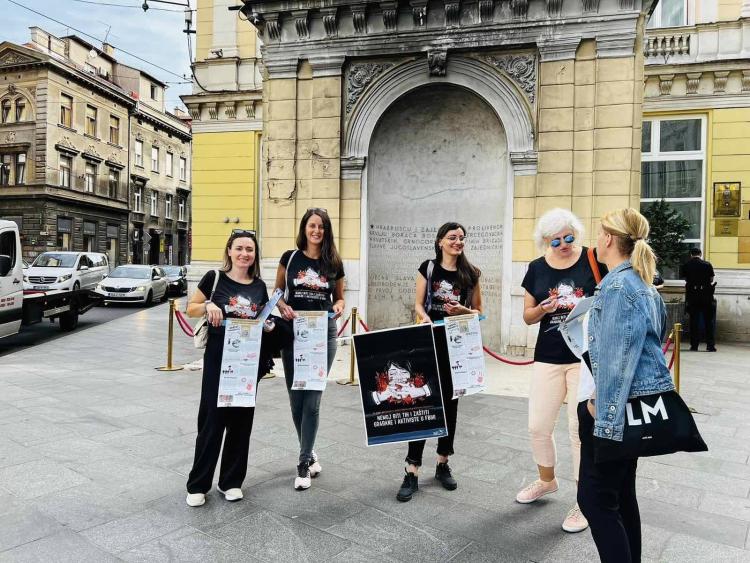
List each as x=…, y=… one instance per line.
x=697, y=274
x=236, y=300
x=444, y=288
x=310, y=289
x=570, y=286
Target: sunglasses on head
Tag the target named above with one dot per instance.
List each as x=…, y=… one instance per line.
x=555, y=242
x=243, y=233
x=314, y=209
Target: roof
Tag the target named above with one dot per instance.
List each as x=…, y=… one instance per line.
x=88, y=45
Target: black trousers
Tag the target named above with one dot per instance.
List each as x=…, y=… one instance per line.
x=606, y=496
x=450, y=405
x=696, y=311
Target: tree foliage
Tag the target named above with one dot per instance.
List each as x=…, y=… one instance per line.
x=668, y=230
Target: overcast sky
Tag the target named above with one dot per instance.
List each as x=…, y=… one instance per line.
x=155, y=35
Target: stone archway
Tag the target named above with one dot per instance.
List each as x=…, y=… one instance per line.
x=439, y=153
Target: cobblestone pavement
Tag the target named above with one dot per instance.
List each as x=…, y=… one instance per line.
x=95, y=446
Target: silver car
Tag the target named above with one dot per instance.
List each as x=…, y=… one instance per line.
x=133, y=283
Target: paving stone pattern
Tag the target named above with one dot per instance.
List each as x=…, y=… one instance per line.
x=95, y=446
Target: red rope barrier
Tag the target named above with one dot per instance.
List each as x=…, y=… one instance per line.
x=364, y=325
x=184, y=323
x=343, y=327
x=507, y=361
x=671, y=361
x=667, y=346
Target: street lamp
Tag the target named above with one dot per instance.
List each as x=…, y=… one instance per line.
x=145, y=5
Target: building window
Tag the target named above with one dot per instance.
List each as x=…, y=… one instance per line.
x=112, y=236
x=154, y=159
x=669, y=13
x=89, y=236
x=181, y=209
x=168, y=207
x=64, y=233
x=114, y=130
x=183, y=169
x=154, y=91
x=91, y=121
x=114, y=182
x=66, y=165
x=20, y=168
x=673, y=169
x=6, y=163
x=5, y=111
x=90, y=178
x=66, y=110
x=138, y=200
x=169, y=166
x=20, y=110
x=139, y=153
x=154, y=204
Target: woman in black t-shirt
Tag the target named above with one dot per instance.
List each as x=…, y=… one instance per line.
x=312, y=278
x=447, y=285
x=239, y=293
x=554, y=284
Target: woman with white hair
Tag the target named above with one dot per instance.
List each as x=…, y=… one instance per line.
x=554, y=284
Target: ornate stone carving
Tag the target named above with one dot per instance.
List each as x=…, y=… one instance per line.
x=114, y=159
x=14, y=58
x=554, y=8
x=230, y=110
x=519, y=68
x=437, y=61
x=665, y=84
x=359, y=18
x=213, y=110
x=330, y=21
x=692, y=82
x=519, y=8
x=66, y=145
x=746, y=80
x=590, y=6
x=390, y=15
x=419, y=12
x=12, y=90
x=273, y=26
x=720, y=81
x=10, y=137
x=452, y=13
x=358, y=78
x=250, y=110
x=195, y=111
x=486, y=10
x=138, y=136
x=92, y=154
x=301, y=23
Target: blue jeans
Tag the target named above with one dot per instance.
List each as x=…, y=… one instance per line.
x=306, y=404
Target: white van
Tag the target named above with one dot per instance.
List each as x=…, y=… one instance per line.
x=66, y=270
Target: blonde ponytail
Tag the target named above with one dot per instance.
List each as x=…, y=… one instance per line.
x=630, y=230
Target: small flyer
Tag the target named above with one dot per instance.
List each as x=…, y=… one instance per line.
x=464, y=338
x=239, y=363
x=310, y=351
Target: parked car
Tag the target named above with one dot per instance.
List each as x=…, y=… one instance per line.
x=66, y=271
x=133, y=283
x=177, y=279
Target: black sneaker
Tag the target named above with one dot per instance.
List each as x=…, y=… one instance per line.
x=443, y=474
x=693, y=348
x=711, y=349
x=408, y=487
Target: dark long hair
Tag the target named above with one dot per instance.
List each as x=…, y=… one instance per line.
x=330, y=260
x=253, y=270
x=468, y=274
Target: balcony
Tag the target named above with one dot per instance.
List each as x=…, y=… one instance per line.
x=700, y=43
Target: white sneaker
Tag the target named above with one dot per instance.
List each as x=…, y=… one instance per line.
x=195, y=499
x=575, y=521
x=315, y=467
x=232, y=494
x=302, y=481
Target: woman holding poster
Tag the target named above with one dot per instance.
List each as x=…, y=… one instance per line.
x=238, y=293
x=312, y=278
x=447, y=285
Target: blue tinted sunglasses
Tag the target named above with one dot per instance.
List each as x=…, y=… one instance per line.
x=555, y=242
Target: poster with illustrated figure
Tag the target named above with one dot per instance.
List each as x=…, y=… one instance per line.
x=310, y=351
x=568, y=295
x=400, y=385
x=464, y=339
x=238, y=378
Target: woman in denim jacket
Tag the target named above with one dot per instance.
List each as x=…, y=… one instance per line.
x=626, y=324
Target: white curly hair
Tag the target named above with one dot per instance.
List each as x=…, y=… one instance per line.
x=554, y=221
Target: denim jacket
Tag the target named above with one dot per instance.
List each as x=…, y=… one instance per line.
x=627, y=322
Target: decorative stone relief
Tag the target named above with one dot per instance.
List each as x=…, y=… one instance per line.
x=230, y=110
x=273, y=26
x=486, y=10
x=10, y=137
x=720, y=81
x=213, y=110
x=359, y=18
x=301, y=23
x=554, y=8
x=590, y=6
x=437, y=61
x=665, y=84
x=138, y=136
x=390, y=15
x=520, y=68
x=452, y=13
x=419, y=12
x=195, y=111
x=746, y=80
x=250, y=110
x=92, y=153
x=358, y=78
x=14, y=58
x=12, y=90
x=114, y=158
x=66, y=143
x=692, y=82
x=519, y=8
x=330, y=21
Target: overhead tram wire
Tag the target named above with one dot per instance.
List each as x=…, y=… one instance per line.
x=133, y=6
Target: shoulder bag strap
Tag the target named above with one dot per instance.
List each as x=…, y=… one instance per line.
x=428, y=293
x=286, y=277
x=594, y=265
x=216, y=282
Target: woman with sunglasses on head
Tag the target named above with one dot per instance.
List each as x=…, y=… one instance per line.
x=554, y=284
x=238, y=293
x=312, y=278
x=447, y=285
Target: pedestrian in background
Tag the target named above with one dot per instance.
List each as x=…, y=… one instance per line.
x=238, y=293
x=699, y=298
x=447, y=285
x=554, y=284
x=312, y=277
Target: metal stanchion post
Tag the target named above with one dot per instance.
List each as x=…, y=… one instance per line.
x=677, y=343
x=170, y=340
x=352, y=359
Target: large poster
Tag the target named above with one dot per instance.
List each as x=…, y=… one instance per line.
x=310, y=351
x=239, y=363
x=400, y=385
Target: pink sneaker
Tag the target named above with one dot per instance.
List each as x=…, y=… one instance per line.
x=536, y=490
x=575, y=521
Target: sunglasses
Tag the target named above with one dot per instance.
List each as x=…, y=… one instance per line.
x=243, y=233
x=555, y=242
x=314, y=209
